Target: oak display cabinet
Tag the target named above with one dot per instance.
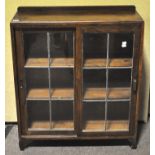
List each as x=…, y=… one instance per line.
x=77, y=72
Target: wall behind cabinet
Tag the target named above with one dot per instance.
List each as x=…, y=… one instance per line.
x=143, y=7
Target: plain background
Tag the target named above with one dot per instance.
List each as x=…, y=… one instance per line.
x=142, y=6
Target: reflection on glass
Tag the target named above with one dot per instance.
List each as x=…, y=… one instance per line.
x=121, y=45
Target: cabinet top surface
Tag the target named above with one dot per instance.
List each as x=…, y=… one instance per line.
x=84, y=14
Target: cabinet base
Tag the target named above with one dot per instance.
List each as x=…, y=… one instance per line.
x=23, y=143
x=133, y=143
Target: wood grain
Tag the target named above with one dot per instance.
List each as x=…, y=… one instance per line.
x=101, y=62
x=94, y=93
x=62, y=62
x=38, y=94
x=95, y=62
x=69, y=62
x=62, y=124
x=76, y=15
x=120, y=62
x=44, y=62
x=119, y=93
x=55, y=125
x=113, y=93
x=113, y=125
x=62, y=93
x=39, y=125
x=56, y=94
x=117, y=125
x=94, y=125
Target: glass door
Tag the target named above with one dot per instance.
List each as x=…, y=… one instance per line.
x=49, y=82
x=107, y=78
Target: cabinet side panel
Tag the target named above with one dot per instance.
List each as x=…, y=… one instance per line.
x=139, y=88
x=136, y=79
x=14, y=57
x=19, y=61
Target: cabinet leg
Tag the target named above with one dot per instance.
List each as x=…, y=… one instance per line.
x=23, y=144
x=133, y=143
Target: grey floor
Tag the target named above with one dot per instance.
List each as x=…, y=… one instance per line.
x=74, y=148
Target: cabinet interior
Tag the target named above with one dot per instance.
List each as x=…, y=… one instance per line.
x=107, y=62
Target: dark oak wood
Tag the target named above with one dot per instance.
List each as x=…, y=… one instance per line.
x=78, y=9
x=56, y=94
x=79, y=20
x=55, y=63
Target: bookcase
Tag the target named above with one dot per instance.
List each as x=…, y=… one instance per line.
x=77, y=72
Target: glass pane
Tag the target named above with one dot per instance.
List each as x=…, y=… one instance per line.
x=62, y=115
x=94, y=49
x=121, y=50
x=38, y=114
x=61, y=49
x=35, y=47
x=62, y=84
x=121, y=45
x=118, y=116
x=37, y=84
x=119, y=84
x=49, y=76
x=93, y=116
x=94, y=83
x=62, y=79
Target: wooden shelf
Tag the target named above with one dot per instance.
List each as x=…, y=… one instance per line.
x=44, y=62
x=101, y=63
x=55, y=125
x=117, y=125
x=62, y=125
x=36, y=63
x=95, y=62
x=62, y=94
x=113, y=93
x=69, y=62
x=62, y=62
x=56, y=94
x=38, y=94
x=94, y=125
x=68, y=93
x=39, y=125
x=94, y=94
x=99, y=125
x=119, y=93
x=120, y=62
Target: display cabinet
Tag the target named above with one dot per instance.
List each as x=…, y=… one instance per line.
x=77, y=72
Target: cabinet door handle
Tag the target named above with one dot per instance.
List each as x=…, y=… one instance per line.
x=134, y=84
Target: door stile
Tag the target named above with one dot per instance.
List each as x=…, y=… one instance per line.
x=21, y=79
x=78, y=82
